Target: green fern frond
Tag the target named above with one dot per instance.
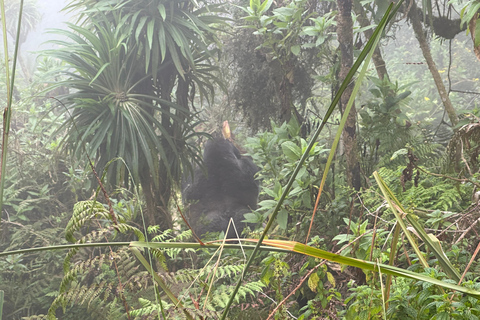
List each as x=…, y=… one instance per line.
x=125, y=228
x=158, y=254
x=93, y=236
x=83, y=212
x=149, y=308
x=82, y=267
x=220, y=296
x=464, y=149
x=102, y=293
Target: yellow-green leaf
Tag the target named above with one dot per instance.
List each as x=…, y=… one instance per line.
x=331, y=279
x=313, y=282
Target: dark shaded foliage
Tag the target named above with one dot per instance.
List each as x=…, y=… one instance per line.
x=227, y=189
x=256, y=91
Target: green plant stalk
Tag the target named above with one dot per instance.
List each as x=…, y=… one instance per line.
x=391, y=260
x=393, y=202
x=372, y=266
x=300, y=248
x=7, y=114
x=1, y=303
x=368, y=47
x=140, y=244
x=430, y=241
x=5, y=47
x=272, y=246
x=343, y=120
x=383, y=294
x=434, y=244
x=159, y=281
x=64, y=247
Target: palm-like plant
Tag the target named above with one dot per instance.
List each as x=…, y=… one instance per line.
x=132, y=69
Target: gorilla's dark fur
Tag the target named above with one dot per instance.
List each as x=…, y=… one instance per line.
x=229, y=190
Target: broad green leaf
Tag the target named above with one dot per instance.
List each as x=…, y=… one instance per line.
x=267, y=203
x=161, y=10
x=140, y=25
x=313, y=281
x=150, y=28
x=295, y=50
x=282, y=219
x=331, y=278
x=265, y=6
x=291, y=151
x=162, y=41
x=477, y=33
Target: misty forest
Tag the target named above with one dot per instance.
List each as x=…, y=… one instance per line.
x=260, y=159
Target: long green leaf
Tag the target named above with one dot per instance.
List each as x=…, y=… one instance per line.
x=140, y=244
x=393, y=203
x=7, y=114
x=99, y=72
x=429, y=240
x=369, y=46
x=1, y=303
x=344, y=118
x=157, y=278
x=366, y=265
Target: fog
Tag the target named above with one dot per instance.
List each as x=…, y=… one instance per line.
x=51, y=17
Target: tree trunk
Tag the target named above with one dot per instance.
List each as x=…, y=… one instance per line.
x=420, y=35
x=285, y=94
x=156, y=186
x=472, y=25
x=157, y=196
x=345, y=39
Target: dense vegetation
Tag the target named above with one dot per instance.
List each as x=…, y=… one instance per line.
x=365, y=174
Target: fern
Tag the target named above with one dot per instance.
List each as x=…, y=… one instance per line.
x=169, y=236
x=149, y=308
x=106, y=283
x=99, y=294
x=464, y=149
x=84, y=212
x=433, y=193
x=210, y=310
x=117, y=266
x=221, y=295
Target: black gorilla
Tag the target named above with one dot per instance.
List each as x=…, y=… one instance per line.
x=229, y=190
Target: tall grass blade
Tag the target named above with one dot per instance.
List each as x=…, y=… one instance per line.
x=366, y=265
x=430, y=241
x=7, y=114
x=365, y=57
x=1, y=303
x=368, y=47
x=434, y=244
x=158, y=280
x=394, y=205
x=140, y=244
